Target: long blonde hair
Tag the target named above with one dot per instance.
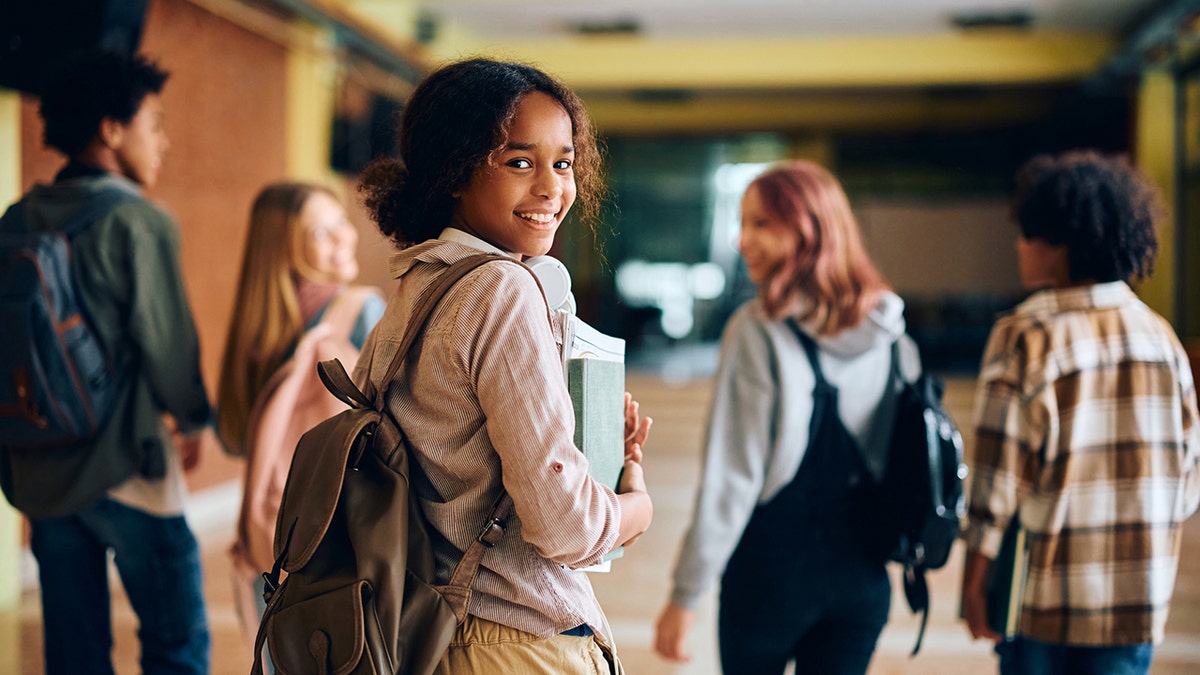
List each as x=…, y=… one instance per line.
x=831, y=268
x=266, y=322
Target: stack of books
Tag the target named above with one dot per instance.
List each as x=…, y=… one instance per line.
x=596, y=381
x=1006, y=580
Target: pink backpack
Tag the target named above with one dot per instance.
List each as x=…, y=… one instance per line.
x=293, y=401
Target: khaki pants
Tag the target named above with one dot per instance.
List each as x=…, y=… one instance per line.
x=481, y=646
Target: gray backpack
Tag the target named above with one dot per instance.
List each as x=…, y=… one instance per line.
x=57, y=386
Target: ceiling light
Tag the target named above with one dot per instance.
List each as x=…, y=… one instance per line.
x=594, y=27
x=1015, y=18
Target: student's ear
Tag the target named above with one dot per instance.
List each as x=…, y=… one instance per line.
x=111, y=133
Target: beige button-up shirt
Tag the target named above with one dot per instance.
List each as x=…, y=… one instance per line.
x=1087, y=423
x=484, y=403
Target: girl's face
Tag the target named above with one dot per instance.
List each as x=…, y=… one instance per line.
x=329, y=240
x=517, y=200
x=765, y=242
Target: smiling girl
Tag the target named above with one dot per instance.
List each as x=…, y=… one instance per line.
x=494, y=156
x=801, y=416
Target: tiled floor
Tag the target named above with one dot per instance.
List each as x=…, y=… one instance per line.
x=634, y=591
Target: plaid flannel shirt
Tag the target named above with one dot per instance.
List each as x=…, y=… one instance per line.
x=1086, y=424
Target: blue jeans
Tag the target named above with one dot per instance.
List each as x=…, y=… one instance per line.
x=1022, y=656
x=159, y=563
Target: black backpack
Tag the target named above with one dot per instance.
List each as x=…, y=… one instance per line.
x=57, y=385
x=921, y=501
x=912, y=516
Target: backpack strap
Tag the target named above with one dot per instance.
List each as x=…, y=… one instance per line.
x=458, y=591
x=425, y=305
x=16, y=219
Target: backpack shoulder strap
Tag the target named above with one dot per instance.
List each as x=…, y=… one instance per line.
x=897, y=374
x=458, y=591
x=92, y=210
x=425, y=305
x=16, y=218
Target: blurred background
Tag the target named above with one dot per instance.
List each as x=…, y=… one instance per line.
x=923, y=108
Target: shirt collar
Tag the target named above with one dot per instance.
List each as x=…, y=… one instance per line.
x=451, y=246
x=78, y=169
x=1091, y=296
x=468, y=239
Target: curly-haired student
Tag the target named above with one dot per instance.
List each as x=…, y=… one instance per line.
x=494, y=156
x=121, y=491
x=1086, y=429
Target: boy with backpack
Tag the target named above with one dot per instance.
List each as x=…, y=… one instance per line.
x=120, y=487
x=1086, y=430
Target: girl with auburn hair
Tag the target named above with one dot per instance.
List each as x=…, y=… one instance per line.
x=494, y=155
x=800, y=420
x=294, y=301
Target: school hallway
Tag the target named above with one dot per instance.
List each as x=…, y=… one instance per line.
x=635, y=590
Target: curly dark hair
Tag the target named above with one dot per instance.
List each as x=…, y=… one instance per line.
x=456, y=118
x=1101, y=208
x=88, y=86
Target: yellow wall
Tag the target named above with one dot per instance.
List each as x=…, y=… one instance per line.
x=1155, y=155
x=311, y=80
x=10, y=545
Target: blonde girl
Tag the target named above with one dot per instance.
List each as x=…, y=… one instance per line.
x=299, y=260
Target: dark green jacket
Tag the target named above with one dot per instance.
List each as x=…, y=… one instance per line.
x=126, y=268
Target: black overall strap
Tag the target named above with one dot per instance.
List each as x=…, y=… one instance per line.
x=810, y=350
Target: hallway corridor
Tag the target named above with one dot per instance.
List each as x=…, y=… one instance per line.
x=635, y=590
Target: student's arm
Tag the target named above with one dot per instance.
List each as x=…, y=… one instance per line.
x=738, y=442
x=974, y=596
x=1002, y=436
x=636, y=507
x=160, y=317
x=516, y=368
x=1191, y=435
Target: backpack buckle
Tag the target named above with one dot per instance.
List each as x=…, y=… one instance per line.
x=492, y=533
x=269, y=587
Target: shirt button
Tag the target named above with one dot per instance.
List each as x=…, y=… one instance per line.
x=558, y=467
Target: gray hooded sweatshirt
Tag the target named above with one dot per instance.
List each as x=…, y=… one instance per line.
x=759, y=422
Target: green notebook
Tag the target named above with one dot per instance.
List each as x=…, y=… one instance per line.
x=1006, y=580
x=597, y=388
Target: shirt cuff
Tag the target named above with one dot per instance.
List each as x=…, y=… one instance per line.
x=984, y=538
x=198, y=423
